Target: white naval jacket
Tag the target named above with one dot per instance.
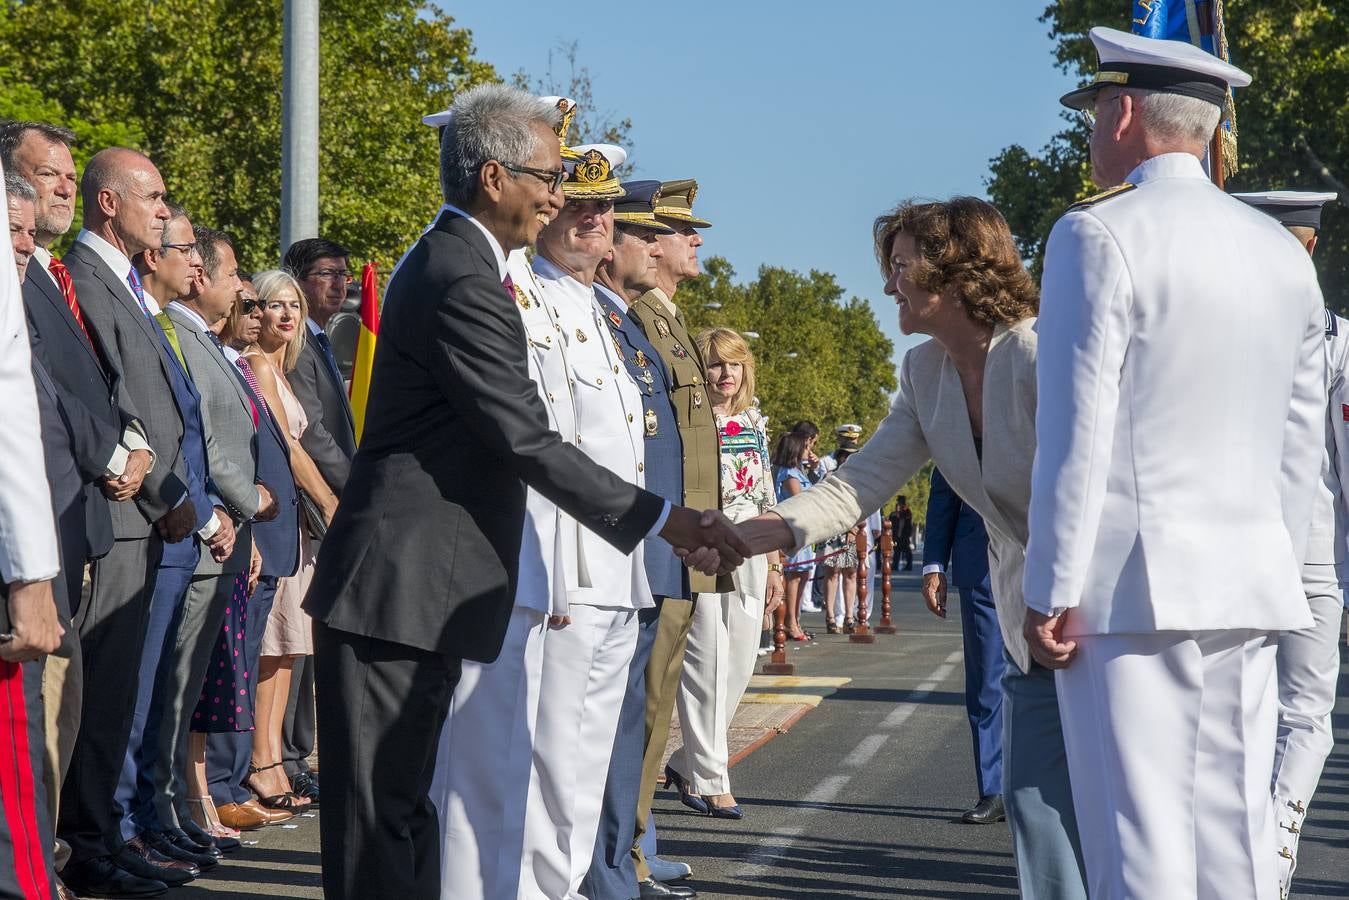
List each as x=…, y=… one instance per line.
x=609, y=429
x=929, y=419
x=548, y=548
x=1337, y=439
x=1181, y=415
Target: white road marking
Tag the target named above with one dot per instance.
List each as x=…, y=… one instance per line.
x=865, y=751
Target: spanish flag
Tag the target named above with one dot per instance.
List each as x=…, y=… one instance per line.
x=364, y=367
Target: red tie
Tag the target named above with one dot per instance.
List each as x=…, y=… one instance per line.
x=67, y=286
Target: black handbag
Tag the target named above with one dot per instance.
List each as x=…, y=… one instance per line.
x=312, y=517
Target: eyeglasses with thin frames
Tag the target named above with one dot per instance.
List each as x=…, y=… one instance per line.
x=330, y=274
x=1088, y=113
x=549, y=177
x=185, y=249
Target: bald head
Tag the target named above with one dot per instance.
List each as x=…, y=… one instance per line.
x=123, y=197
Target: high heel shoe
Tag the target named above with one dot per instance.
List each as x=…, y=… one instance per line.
x=830, y=626
x=725, y=812
x=287, y=801
x=697, y=804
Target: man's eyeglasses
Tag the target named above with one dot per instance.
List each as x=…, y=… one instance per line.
x=185, y=249
x=247, y=306
x=1088, y=113
x=549, y=177
x=330, y=274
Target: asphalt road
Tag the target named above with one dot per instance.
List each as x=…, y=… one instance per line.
x=859, y=799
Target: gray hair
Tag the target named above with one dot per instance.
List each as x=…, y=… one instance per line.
x=491, y=121
x=18, y=187
x=12, y=134
x=1173, y=117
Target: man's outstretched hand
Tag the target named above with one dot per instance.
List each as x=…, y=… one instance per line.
x=707, y=542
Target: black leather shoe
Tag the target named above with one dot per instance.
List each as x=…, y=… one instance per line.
x=164, y=846
x=102, y=877
x=725, y=812
x=184, y=841
x=305, y=785
x=987, y=811
x=653, y=888
x=199, y=836
x=139, y=858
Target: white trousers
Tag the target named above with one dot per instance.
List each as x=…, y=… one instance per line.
x=1309, y=671
x=585, y=675
x=718, y=664
x=481, y=782
x=1170, y=742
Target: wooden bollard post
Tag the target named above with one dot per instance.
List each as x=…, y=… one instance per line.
x=861, y=633
x=777, y=664
x=887, y=554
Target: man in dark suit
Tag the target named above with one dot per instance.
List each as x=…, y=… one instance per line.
x=110, y=449
x=418, y=570
x=628, y=273
x=125, y=214
x=955, y=542
x=323, y=270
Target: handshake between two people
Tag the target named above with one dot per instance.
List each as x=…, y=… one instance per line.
x=714, y=545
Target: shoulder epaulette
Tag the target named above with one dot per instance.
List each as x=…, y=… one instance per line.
x=1094, y=199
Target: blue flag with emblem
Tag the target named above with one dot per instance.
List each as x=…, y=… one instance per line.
x=1198, y=22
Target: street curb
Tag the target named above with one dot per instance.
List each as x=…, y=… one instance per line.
x=771, y=733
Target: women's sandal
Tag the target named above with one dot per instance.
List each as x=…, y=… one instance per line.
x=693, y=802
x=287, y=802
x=830, y=626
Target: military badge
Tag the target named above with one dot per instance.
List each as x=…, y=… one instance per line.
x=615, y=319
x=698, y=398
x=662, y=329
x=592, y=169
x=679, y=351
x=521, y=297
x=581, y=336
x=641, y=359
x=652, y=425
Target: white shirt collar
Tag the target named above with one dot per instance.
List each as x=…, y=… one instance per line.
x=230, y=353
x=150, y=302
x=313, y=326
x=499, y=253
x=116, y=259
x=1168, y=165
x=193, y=317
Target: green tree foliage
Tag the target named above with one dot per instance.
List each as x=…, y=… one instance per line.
x=564, y=76
x=841, y=370
x=196, y=84
x=1291, y=122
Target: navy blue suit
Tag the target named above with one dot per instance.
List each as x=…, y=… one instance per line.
x=172, y=580
x=613, y=874
x=227, y=753
x=955, y=539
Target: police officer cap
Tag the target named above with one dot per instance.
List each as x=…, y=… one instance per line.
x=676, y=203
x=1170, y=67
x=638, y=207
x=849, y=431
x=590, y=171
x=1291, y=208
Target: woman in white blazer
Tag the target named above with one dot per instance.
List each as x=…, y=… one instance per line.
x=967, y=401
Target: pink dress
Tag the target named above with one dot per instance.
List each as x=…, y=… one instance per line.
x=289, y=628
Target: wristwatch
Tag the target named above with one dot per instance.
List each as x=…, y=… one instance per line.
x=775, y=567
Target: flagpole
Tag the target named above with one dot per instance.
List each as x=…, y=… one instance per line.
x=300, y=122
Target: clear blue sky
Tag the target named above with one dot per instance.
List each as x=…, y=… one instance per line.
x=802, y=122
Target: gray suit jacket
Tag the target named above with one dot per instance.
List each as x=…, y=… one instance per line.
x=330, y=439
x=231, y=440
x=132, y=347
x=929, y=420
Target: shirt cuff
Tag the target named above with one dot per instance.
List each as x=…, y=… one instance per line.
x=117, y=465
x=207, y=531
x=934, y=567
x=132, y=439
x=660, y=521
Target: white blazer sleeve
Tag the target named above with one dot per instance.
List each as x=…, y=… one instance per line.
x=1085, y=300
x=894, y=454
x=1304, y=444
x=1337, y=441
x=27, y=529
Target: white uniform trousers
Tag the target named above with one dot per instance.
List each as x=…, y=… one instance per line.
x=585, y=674
x=1309, y=670
x=481, y=782
x=1170, y=742
x=722, y=649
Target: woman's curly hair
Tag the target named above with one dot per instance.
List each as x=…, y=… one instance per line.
x=965, y=251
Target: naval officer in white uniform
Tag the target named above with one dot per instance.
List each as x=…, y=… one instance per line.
x=1309, y=660
x=586, y=656
x=1181, y=421
x=486, y=745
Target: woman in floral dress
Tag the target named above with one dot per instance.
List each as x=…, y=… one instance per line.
x=724, y=639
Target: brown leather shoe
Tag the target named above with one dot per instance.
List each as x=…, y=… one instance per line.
x=270, y=816
x=63, y=892
x=239, y=816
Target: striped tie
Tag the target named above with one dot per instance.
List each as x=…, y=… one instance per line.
x=252, y=380
x=134, y=281
x=66, y=284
